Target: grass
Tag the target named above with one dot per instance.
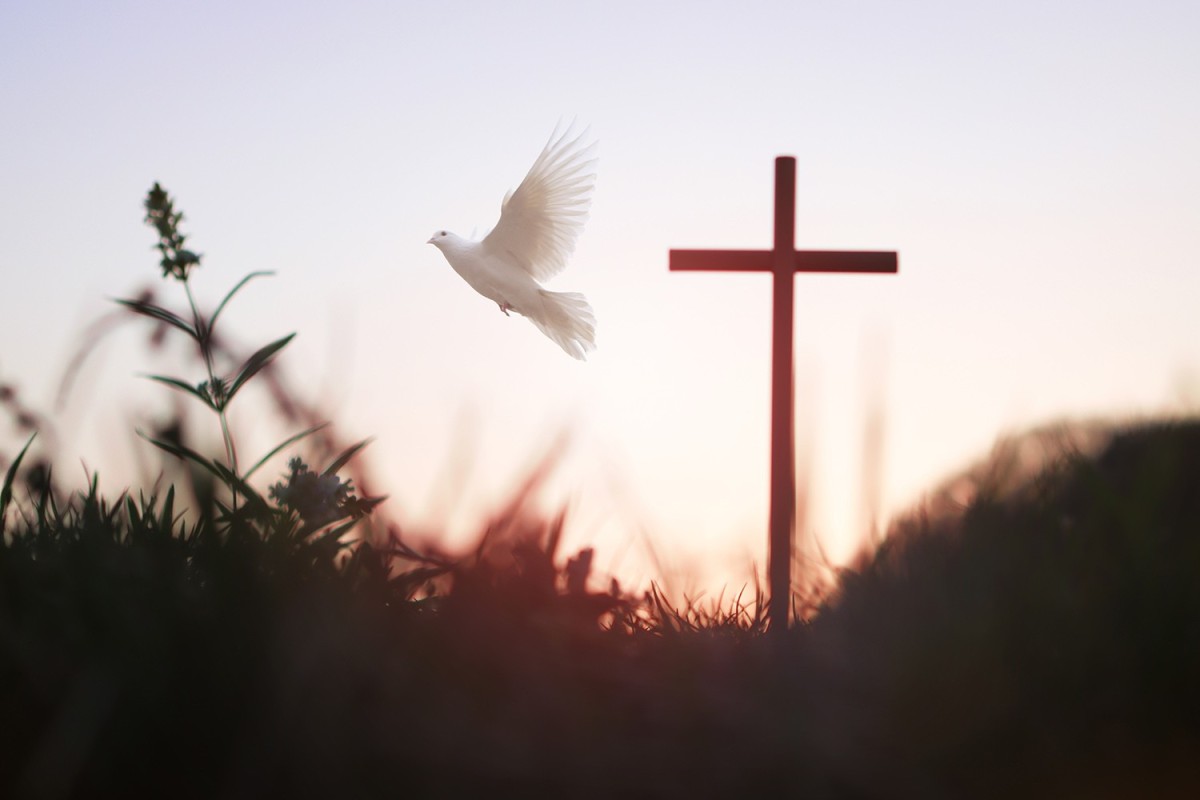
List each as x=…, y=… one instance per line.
x=1040, y=639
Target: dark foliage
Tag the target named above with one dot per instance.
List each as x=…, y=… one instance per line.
x=1041, y=644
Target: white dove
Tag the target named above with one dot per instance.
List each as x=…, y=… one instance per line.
x=538, y=226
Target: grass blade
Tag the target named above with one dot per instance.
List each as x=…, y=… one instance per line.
x=10, y=477
x=167, y=513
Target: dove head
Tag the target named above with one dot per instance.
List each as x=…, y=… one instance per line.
x=443, y=240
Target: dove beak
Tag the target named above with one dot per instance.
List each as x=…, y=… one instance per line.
x=430, y=240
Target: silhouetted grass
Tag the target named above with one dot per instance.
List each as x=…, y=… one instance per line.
x=1041, y=639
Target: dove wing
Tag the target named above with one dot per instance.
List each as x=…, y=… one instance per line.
x=540, y=221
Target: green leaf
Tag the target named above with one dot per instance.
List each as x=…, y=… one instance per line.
x=183, y=387
x=346, y=455
x=220, y=307
x=334, y=534
x=10, y=477
x=254, y=500
x=290, y=440
x=160, y=314
x=186, y=453
x=255, y=363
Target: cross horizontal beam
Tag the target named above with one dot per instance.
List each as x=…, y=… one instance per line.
x=764, y=261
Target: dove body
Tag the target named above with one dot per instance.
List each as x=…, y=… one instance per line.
x=539, y=224
x=491, y=274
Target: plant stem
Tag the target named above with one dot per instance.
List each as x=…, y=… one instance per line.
x=205, y=340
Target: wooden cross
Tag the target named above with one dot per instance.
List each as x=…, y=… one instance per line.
x=783, y=262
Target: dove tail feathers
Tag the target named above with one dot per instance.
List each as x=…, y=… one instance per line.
x=568, y=320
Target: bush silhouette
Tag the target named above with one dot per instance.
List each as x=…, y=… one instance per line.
x=1045, y=637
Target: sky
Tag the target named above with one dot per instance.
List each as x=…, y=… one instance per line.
x=1035, y=164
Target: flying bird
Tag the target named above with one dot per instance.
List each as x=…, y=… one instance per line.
x=539, y=223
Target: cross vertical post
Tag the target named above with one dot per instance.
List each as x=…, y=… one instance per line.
x=783, y=261
x=783, y=458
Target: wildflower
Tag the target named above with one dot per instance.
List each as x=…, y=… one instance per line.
x=160, y=212
x=318, y=499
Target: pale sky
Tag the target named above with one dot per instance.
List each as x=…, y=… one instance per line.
x=1036, y=165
